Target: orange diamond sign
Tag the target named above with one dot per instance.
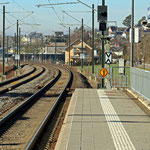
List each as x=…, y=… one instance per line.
x=103, y=72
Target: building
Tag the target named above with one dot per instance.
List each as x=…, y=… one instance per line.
x=124, y=35
x=58, y=34
x=60, y=48
x=35, y=37
x=112, y=31
x=76, y=52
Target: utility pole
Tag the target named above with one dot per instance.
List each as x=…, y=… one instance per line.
x=17, y=46
x=42, y=48
x=3, y=40
x=103, y=55
x=7, y=49
x=132, y=36
x=93, y=39
x=82, y=46
x=14, y=51
x=69, y=46
x=55, y=50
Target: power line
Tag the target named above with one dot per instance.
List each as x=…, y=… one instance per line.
x=16, y=18
x=86, y=5
x=40, y=5
x=75, y=19
x=71, y=24
x=79, y=11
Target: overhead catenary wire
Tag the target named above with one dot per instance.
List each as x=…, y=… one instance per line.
x=11, y=14
x=79, y=11
x=57, y=14
x=41, y=5
x=76, y=19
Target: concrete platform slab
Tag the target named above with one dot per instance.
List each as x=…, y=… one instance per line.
x=104, y=120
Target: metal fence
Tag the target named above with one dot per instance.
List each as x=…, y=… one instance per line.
x=120, y=77
x=140, y=82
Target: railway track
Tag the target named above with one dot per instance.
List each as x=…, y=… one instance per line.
x=21, y=128
x=12, y=99
x=8, y=72
x=11, y=84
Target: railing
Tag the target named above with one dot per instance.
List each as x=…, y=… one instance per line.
x=120, y=77
x=140, y=82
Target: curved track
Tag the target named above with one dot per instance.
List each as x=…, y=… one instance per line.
x=20, y=129
x=16, y=82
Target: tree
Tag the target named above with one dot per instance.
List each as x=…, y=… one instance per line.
x=127, y=21
x=139, y=22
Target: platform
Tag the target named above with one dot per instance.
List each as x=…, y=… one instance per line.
x=104, y=120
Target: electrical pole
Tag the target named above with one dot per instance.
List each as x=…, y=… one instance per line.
x=132, y=37
x=14, y=51
x=7, y=49
x=3, y=40
x=69, y=46
x=103, y=56
x=17, y=46
x=55, y=50
x=93, y=39
x=42, y=49
x=82, y=46
x=19, y=43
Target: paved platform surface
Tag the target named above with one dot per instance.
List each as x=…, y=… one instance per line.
x=104, y=120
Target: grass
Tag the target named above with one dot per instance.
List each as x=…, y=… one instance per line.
x=117, y=78
x=88, y=69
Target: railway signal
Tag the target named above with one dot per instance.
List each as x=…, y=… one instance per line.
x=102, y=26
x=102, y=13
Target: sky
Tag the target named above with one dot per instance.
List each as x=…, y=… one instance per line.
x=48, y=19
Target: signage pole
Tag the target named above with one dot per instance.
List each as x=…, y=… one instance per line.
x=103, y=56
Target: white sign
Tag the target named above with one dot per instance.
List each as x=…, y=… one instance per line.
x=121, y=65
x=137, y=35
x=17, y=57
x=148, y=15
x=95, y=53
x=82, y=56
x=108, y=57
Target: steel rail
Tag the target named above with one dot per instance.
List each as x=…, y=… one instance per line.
x=21, y=83
x=17, y=78
x=49, y=115
x=31, y=98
